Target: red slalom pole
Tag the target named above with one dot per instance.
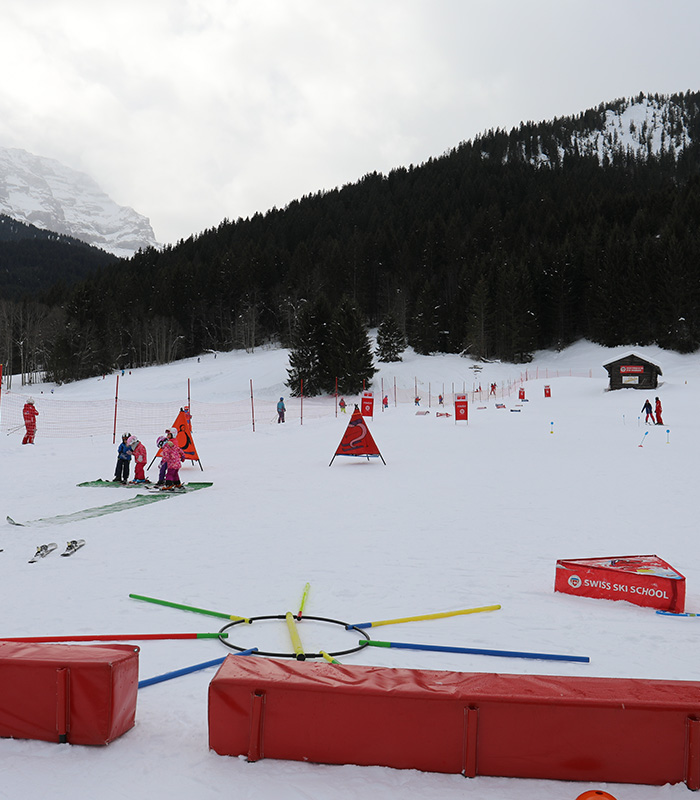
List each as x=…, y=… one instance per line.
x=114, y=637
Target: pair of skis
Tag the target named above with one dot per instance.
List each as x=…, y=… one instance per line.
x=44, y=549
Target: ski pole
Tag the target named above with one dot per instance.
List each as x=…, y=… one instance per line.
x=474, y=651
x=15, y=429
x=166, y=676
x=641, y=444
x=439, y=615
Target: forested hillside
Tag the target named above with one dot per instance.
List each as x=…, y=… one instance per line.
x=581, y=227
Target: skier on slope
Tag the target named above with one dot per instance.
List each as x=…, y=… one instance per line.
x=646, y=408
x=121, y=473
x=281, y=408
x=139, y=450
x=658, y=412
x=174, y=457
x=30, y=414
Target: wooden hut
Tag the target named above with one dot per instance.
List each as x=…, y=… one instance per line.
x=633, y=372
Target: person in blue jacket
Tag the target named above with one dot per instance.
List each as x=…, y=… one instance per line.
x=121, y=474
x=280, y=410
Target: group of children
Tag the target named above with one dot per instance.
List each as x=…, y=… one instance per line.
x=172, y=457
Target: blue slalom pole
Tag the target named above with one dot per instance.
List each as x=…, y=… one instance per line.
x=475, y=651
x=186, y=670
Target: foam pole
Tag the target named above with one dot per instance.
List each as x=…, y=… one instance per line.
x=328, y=657
x=303, y=600
x=439, y=615
x=114, y=637
x=187, y=608
x=475, y=651
x=297, y=646
x=166, y=676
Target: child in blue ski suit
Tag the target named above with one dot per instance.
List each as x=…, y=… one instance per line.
x=121, y=473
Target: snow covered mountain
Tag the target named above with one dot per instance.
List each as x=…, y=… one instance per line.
x=45, y=193
x=641, y=127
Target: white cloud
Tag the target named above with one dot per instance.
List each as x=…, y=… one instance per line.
x=195, y=110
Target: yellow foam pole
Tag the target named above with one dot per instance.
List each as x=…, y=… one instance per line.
x=294, y=636
x=329, y=658
x=303, y=600
x=439, y=615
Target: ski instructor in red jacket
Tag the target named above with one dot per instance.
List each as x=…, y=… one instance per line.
x=30, y=414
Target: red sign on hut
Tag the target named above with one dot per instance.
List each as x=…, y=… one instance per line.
x=643, y=580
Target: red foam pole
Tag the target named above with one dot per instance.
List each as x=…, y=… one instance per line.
x=112, y=637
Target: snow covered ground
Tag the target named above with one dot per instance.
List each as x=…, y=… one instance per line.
x=461, y=516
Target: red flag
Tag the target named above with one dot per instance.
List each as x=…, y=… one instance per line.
x=357, y=440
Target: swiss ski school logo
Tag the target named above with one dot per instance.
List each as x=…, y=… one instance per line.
x=574, y=581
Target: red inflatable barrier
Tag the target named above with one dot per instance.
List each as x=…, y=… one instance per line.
x=643, y=580
x=82, y=694
x=520, y=726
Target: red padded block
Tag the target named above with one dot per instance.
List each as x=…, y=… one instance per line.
x=520, y=726
x=82, y=694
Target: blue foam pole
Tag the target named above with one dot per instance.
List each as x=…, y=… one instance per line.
x=166, y=676
x=476, y=651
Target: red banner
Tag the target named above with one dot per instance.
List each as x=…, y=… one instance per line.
x=367, y=404
x=461, y=407
x=357, y=440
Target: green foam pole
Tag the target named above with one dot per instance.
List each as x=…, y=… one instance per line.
x=186, y=608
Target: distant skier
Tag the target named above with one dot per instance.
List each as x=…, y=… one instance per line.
x=646, y=408
x=342, y=405
x=385, y=402
x=30, y=414
x=280, y=410
x=658, y=411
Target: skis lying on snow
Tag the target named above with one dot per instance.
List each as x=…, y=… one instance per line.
x=102, y=484
x=42, y=551
x=72, y=546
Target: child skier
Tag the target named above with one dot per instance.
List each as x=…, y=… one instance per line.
x=646, y=408
x=160, y=442
x=174, y=457
x=121, y=474
x=29, y=413
x=280, y=410
x=139, y=450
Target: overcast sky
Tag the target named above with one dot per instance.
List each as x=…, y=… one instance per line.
x=192, y=111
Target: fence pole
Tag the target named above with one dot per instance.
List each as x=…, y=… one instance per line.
x=252, y=405
x=116, y=401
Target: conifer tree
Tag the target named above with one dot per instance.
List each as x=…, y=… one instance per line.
x=309, y=346
x=349, y=355
x=391, y=341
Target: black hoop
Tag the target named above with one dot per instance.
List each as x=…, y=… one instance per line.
x=345, y=625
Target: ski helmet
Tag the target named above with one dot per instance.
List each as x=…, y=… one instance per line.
x=30, y=400
x=173, y=432
x=161, y=440
x=125, y=435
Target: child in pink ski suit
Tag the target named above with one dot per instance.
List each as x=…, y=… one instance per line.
x=174, y=457
x=139, y=452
